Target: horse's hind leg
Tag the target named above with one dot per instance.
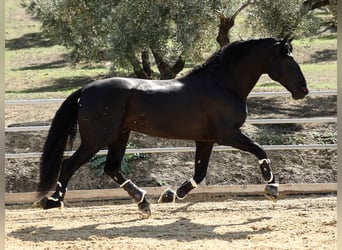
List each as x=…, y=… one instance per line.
x=69, y=166
x=202, y=156
x=116, y=152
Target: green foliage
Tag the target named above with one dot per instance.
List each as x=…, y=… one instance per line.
x=98, y=162
x=126, y=165
x=333, y=10
x=276, y=139
x=81, y=25
x=120, y=30
x=281, y=17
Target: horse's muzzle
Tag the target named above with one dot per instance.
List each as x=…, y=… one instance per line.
x=300, y=93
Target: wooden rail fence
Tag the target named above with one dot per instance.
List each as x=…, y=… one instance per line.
x=154, y=192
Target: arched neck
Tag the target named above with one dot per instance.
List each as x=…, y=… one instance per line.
x=242, y=83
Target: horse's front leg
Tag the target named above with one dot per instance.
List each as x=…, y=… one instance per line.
x=202, y=155
x=271, y=189
x=237, y=139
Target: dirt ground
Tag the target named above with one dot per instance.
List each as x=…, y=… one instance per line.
x=292, y=223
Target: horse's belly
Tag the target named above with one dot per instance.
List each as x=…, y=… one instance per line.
x=176, y=134
x=172, y=126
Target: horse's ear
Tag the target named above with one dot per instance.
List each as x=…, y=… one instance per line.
x=287, y=39
x=290, y=39
x=281, y=45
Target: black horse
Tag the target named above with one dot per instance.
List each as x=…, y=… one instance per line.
x=208, y=105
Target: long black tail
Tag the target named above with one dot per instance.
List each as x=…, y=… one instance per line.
x=63, y=126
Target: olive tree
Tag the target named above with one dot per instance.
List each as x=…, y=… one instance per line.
x=227, y=11
x=128, y=33
x=282, y=17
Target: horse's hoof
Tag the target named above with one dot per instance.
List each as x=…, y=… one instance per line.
x=271, y=191
x=48, y=203
x=168, y=196
x=144, y=207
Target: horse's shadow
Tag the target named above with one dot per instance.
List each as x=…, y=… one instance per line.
x=182, y=229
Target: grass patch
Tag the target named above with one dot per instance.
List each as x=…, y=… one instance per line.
x=321, y=76
x=35, y=66
x=325, y=39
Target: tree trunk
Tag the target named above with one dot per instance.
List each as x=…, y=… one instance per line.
x=146, y=64
x=178, y=66
x=225, y=25
x=166, y=70
x=141, y=69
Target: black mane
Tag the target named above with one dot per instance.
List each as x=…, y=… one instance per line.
x=229, y=54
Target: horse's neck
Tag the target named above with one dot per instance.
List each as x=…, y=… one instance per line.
x=241, y=84
x=244, y=76
x=246, y=86
x=239, y=79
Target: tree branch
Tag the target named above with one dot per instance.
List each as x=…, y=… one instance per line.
x=315, y=4
x=226, y=23
x=242, y=7
x=137, y=67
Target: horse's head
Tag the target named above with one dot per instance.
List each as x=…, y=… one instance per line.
x=285, y=70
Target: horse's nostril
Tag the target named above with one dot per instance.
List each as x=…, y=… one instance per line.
x=305, y=90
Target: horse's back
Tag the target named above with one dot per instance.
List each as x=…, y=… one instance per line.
x=121, y=94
